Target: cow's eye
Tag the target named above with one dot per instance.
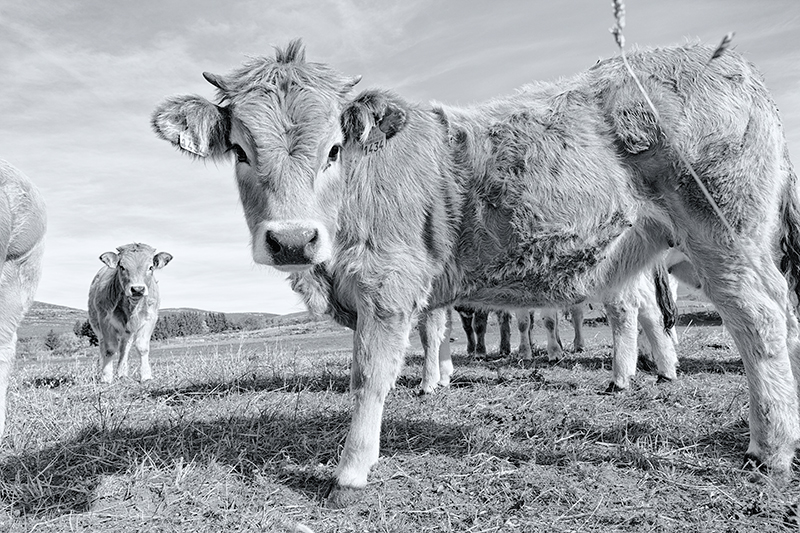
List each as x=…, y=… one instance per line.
x=333, y=155
x=241, y=155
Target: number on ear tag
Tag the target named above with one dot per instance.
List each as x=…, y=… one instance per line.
x=376, y=140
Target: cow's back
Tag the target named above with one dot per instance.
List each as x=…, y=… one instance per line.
x=544, y=194
x=23, y=219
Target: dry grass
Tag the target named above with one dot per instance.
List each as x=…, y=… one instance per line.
x=246, y=439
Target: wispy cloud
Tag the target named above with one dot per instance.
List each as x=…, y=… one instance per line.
x=82, y=76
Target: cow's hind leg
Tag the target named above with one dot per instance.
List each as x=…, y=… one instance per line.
x=555, y=350
x=576, y=315
x=432, y=326
x=18, y=282
x=753, y=303
x=524, y=324
x=504, y=318
x=445, y=355
x=661, y=341
x=379, y=347
x=621, y=316
x=466, y=316
x=479, y=323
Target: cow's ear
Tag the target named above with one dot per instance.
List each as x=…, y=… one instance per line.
x=110, y=259
x=393, y=120
x=349, y=84
x=193, y=124
x=161, y=259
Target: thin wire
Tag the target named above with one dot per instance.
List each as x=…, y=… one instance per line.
x=619, y=14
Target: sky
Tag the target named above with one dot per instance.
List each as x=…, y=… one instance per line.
x=80, y=78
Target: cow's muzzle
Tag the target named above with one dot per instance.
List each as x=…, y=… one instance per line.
x=292, y=246
x=138, y=292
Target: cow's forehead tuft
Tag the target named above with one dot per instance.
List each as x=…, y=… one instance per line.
x=135, y=247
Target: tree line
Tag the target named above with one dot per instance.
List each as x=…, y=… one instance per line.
x=171, y=325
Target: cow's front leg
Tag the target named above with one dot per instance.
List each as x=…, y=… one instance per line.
x=143, y=347
x=378, y=350
x=125, y=345
x=109, y=346
x=432, y=326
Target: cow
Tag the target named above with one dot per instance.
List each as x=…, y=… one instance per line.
x=123, y=307
x=475, y=321
x=23, y=222
x=560, y=192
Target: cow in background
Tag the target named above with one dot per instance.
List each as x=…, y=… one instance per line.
x=557, y=193
x=123, y=307
x=475, y=321
x=23, y=222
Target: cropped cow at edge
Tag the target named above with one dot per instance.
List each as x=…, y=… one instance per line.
x=23, y=222
x=560, y=192
x=123, y=307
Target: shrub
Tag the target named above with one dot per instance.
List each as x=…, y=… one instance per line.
x=84, y=329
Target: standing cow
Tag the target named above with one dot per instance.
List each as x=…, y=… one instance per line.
x=123, y=307
x=22, y=227
x=558, y=193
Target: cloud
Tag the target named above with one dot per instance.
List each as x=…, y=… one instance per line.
x=81, y=78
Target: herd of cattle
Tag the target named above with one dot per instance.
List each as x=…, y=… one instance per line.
x=386, y=213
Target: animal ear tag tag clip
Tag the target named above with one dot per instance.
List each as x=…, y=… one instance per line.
x=376, y=140
x=190, y=144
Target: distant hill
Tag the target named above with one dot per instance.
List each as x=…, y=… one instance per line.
x=42, y=317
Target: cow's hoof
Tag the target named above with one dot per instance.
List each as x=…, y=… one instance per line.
x=423, y=391
x=613, y=388
x=753, y=463
x=664, y=379
x=339, y=497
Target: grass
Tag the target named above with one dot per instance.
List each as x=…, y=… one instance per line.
x=245, y=438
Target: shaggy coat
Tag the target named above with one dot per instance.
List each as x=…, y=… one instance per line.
x=22, y=227
x=123, y=307
x=558, y=193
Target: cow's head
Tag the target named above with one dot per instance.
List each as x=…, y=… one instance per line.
x=278, y=119
x=134, y=265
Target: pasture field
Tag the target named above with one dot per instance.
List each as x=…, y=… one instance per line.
x=240, y=432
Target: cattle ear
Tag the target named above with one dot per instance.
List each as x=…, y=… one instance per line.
x=349, y=84
x=193, y=124
x=161, y=259
x=110, y=259
x=393, y=120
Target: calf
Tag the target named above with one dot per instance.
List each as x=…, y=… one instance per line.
x=123, y=307
x=22, y=227
x=558, y=193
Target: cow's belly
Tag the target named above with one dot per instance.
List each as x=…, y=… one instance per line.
x=549, y=269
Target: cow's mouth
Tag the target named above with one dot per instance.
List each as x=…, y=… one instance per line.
x=294, y=268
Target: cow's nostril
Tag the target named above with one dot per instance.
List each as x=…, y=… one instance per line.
x=272, y=243
x=314, y=237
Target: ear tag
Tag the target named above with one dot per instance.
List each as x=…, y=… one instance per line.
x=188, y=143
x=376, y=140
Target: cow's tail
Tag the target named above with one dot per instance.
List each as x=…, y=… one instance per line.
x=790, y=237
x=666, y=303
